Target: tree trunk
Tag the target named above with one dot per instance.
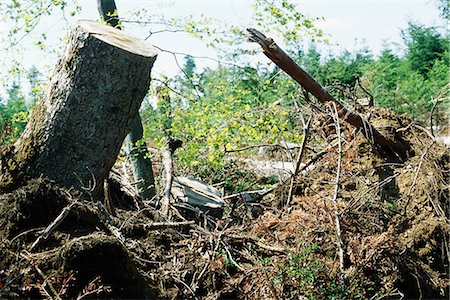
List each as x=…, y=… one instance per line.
x=140, y=158
x=75, y=132
x=140, y=161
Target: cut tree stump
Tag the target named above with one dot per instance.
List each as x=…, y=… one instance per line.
x=75, y=132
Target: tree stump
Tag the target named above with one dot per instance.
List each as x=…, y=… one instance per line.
x=75, y=132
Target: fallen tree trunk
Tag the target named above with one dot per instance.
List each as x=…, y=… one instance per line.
x=75, y=132
x=282, y=60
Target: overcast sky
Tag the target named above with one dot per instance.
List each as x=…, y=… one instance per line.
x=350, y=24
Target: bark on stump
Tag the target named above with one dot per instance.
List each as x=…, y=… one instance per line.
x=76, y=130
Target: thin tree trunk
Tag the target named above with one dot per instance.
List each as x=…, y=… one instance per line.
x=281, y=59
x=75, y=132
x=140, y=158
x=140, y=161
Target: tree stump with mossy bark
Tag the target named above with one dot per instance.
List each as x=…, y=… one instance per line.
x=75, y=132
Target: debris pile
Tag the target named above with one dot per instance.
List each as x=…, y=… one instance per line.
x=368, y=225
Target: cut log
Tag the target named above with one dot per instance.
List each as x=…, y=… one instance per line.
x=75, y=132
x=140, y=158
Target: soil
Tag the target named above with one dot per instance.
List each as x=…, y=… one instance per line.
x=393, y=218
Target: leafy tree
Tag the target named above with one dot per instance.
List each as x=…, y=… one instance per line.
x=36, y=89
x=425, y=46
x=444, y=8
x=409, y=84
x=189, y=66
x=13, y=114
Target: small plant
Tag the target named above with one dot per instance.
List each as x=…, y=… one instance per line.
x=308, y=274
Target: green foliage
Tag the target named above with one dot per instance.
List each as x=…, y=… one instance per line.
x=189, y=66
x=36, y=85
x=425, y=46
x=343, y=68
x=410, y=84
x=13, y=115
x=307, y=273
x=283, y=18
x=232, y=112
x=444, y=8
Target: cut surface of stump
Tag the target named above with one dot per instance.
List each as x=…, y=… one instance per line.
x=76, y=130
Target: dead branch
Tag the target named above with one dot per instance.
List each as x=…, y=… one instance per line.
x=281, y=59
x=160, y=225
x=358, y=82
x=438, y=99
x=258, y=243
x=416, y=175
x=55, y=293
x=108, y=201
x=299, y=159
x=339, y=242
x=52, y=226
x=259, y=146
x=169, y=147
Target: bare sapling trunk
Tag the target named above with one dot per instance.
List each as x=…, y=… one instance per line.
x=75, y=132
x=282, y=60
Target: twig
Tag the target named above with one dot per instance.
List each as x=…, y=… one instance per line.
x=336, y=191
x=37, y=230
x=313, y=159
x=358, y=82
x=107, y=221
x=440, y=97
x=259, y=244
x=270, y=248
x=433, y=138
x=231, y=258
x=200, y=57
x=97, y=290
x=186, y=285
x=259, y=193
x=158, y=225
x=408, y=196
x=52, y=226
x=299, y=159
x=259, y=146
x=55, y=293
x=387, y=180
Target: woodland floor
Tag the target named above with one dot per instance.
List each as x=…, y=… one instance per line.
x=393, y=218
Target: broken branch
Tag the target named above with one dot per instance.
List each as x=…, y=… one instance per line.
x=282, y=60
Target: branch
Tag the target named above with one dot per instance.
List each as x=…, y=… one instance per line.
x=339, y=242
x=259, y=146
x=52, y=226
x=200, y=57
x=169, y=147
x=299, y=159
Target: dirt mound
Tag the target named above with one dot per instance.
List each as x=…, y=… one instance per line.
x=380, y=233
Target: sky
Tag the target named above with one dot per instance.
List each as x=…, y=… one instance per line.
x=350, y=25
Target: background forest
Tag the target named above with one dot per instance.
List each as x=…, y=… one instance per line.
x=241, y=103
